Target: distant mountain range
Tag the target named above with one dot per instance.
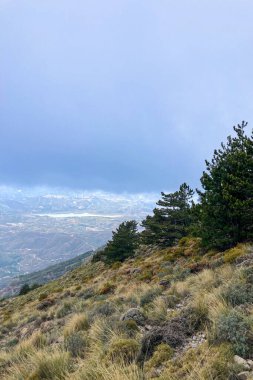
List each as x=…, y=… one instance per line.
x=42, y=227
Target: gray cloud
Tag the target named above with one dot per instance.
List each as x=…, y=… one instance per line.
x=120, y=95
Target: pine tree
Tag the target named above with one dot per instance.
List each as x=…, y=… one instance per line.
x=123, y=244
x=227, y=200
x=24, y=289
x=170, y=222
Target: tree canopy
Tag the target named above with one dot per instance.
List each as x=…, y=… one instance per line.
x=222, y=217
x=226, y=212
x=123, y=243
x=171, y=221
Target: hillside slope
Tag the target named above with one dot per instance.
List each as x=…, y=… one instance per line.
x=43, y=276
x=165, y=314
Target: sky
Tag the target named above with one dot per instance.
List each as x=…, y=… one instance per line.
x=120, y=95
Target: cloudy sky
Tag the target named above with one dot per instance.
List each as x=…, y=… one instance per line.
x=120, y=95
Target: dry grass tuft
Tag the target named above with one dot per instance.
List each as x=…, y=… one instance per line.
x=77, y=323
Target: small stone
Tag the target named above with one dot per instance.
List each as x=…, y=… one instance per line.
x=45, y=304
x=250, y=363
x=134, y=314
x=156, y=372
x=135, y=270
x=240, y=361
x=243, y=375
x=164, y=282
x=60, y=340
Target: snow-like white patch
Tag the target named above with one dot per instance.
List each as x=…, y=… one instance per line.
x=80, y=215
x=54, y=196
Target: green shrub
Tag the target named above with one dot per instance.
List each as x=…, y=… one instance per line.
x=123, y=349
x=11, y=343
x=43, y=296
x=239, y=293
x=76, y=344
x=149, y=296
x=248, y=274
x=189, y=246
x=105, y=309
x=231, y=254
x=64, y=310
x=180, y=273
x=146, y=275
x=172, y=300
x=87, y=293
x=58, y=290
x=202, y=363
x=24, y=289
x=128, y=327
x=100, y=297
x=235, y=328
x=116, y=265
x=195, y=316
x=98, y=256
x=162, y=353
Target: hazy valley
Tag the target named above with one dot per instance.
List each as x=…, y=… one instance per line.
x=43, y=227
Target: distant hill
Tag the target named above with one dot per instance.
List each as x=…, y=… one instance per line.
x=43, y=227
x=43, y=276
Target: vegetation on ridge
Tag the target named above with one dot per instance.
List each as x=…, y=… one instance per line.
x=222, y=218
x=171, y=222
x=123, y=244
x=226, y=203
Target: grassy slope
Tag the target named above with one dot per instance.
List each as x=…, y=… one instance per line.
x=71, y=328
x=51, y=272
